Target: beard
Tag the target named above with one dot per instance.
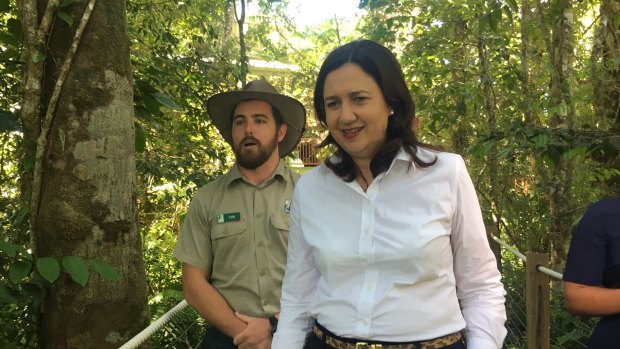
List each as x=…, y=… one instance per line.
x=254, y=158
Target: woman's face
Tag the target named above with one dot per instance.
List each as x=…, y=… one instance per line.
x=355, y=111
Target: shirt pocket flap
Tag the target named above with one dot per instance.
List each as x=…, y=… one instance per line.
x=228, y=229
x=280, y=221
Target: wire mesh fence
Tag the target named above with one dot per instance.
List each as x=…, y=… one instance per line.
x=567, y=331
x=184, y=331
x=178, y=334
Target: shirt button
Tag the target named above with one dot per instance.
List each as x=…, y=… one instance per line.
x=262, y=273
x=260, y=244
x=366, y=231
x=258, y=215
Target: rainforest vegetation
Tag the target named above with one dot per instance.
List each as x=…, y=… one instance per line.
x=105, y=136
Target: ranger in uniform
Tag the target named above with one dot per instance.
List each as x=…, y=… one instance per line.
x=234, y=238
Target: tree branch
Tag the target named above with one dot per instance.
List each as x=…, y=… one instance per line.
x=34, y=33
x=47, y=20
x=545, y=30
x=33, y=71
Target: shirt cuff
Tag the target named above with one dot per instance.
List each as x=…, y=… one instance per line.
x=480, y=343
x=288, y=340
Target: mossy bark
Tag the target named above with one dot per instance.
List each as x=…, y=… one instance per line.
x=88, y=193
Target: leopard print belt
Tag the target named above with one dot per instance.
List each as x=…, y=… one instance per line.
x=428, y=344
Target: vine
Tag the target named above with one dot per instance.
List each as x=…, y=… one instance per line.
x=49, y=114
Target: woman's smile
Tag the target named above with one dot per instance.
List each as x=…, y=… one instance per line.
x=350, y=133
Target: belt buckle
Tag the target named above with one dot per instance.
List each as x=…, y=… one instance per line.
x=364, y=345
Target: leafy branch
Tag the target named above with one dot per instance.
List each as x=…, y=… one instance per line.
x=50, y=267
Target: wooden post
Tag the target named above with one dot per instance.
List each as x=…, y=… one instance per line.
x=537, y=301
x=495, y=247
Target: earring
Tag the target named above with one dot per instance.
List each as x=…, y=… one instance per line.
x=391, y=112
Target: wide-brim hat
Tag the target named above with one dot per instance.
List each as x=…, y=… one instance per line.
x=222, y=105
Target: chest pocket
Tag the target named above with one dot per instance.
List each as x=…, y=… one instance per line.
x=280, y=221
x=279, y=238
x=220, y=231
x=227, y=239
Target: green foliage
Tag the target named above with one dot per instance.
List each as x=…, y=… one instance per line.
x=66, y=3
x=104, y=269
x=448, y=52
x=513, y=278
x=24, y=280
x=372, y=4
x=19, y=293
x=165, y=101
x=19, y=262
x=163, y=271
x=76, y=268
x=182, y=54
x=8, y=122
x=568, y=330
x=18, y=270
x=49, y=268
x=186, y=328
x=65, y=17
x=9, y=249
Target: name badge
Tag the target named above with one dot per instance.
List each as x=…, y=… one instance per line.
x=228, y=217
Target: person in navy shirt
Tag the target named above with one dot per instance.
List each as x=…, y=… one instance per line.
x=592, y=273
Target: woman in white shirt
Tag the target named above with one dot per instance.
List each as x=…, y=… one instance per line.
x=387, y=247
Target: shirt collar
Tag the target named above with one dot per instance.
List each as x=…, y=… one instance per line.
x=235, y=174
x=423, y=154
x=402, y=156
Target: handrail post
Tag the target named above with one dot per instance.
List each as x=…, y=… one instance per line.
x=537, y=301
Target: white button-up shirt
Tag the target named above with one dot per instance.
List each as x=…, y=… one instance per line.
x=407, y=260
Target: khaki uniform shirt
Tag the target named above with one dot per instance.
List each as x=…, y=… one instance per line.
x=238, y=232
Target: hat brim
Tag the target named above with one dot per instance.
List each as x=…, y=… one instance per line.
x=222, y=105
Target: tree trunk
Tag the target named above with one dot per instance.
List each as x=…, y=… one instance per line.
x=243, y=56
x=86, y=202
x=526, y=105
x=490, y=106
x=560, y=49
x=458, y=130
